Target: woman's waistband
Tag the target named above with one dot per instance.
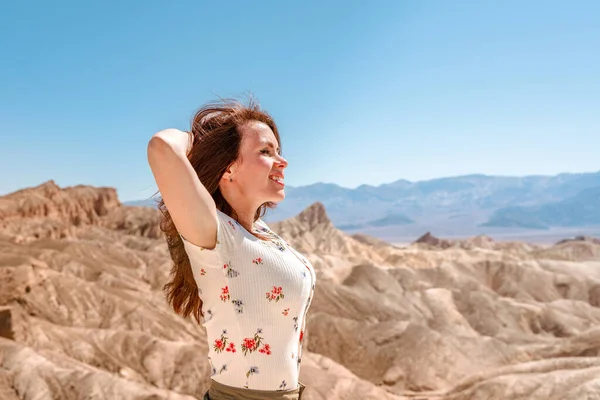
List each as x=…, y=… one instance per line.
x=219, y=391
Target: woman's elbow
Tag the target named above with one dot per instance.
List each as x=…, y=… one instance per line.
x=169, y=140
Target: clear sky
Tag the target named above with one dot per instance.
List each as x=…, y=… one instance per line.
x=362, y=91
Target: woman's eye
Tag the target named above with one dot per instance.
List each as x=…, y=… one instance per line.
x=265, y=151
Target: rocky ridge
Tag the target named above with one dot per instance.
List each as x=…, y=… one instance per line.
x=47, y=211
x=83, y=316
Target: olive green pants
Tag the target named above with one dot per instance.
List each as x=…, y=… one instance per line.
x=218, y=391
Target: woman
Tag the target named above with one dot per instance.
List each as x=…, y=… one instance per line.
x=251, y=289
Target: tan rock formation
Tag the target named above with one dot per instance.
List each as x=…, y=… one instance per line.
x=441, y=320
x=328, y=248
x=47, y=211
x=433, y=241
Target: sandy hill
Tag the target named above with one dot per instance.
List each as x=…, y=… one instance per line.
x=82, y=314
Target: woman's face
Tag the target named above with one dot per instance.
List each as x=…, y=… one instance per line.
x=258, y=172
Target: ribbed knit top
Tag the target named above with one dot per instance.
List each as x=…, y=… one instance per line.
x=256, y=294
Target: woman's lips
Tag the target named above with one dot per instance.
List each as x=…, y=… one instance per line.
x=276, y=181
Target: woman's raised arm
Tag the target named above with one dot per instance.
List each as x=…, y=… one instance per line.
x=190, y=205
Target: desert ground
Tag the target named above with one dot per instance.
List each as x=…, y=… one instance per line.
x=83, y=316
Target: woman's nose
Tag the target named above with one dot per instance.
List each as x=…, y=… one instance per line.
x=283, y=162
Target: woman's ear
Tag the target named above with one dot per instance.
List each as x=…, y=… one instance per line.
x=229, y=172
x=233, y=167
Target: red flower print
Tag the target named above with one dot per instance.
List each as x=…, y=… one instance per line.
x=249, y=343
x=286, y=312
x=231, y=223
x=252, y=344
x=275, y=294
x=222, y=342
x=257, y=261
x=266, y=349
x=202, y=271
x=225, y=293
x=301, y=335
x=231, y=348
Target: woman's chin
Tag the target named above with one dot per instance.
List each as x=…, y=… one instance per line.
x=278, y=197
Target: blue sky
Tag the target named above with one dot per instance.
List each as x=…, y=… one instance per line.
x=363, y=92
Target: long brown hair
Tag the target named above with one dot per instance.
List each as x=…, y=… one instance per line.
x=216, y=140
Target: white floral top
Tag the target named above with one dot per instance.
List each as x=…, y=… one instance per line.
x=256, y=294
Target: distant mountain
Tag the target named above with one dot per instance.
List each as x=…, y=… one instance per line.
x=456, y=204
x=143, y=203
x=454, y=200
x=393, y=219
x=580, y=210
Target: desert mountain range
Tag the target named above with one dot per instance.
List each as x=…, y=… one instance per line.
x=512, y=207
x=82, y=315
